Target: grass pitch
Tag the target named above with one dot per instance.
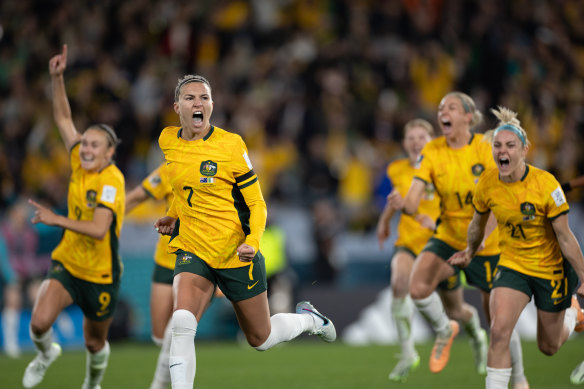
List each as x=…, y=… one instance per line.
x=305, y=363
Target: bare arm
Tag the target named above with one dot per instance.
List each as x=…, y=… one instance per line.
x=474, y=239
x=96, y=228
x=573, y=183
x=61, y=108
x=136, y=197
x=383, y=228
x=414, y=196
x=570, y=247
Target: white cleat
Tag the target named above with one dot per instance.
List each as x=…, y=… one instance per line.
x=404, y=367
x=577, y=376
x=480, y=348
x=35, y=371
x=324, y=326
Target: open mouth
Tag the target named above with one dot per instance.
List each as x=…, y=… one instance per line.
x=198, y=117
x=504, y=162
x=446, y=123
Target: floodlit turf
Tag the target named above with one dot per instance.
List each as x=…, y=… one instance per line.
x=305, y=363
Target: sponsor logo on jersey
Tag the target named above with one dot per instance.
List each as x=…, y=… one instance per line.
x=208, y=168
x=528, y=210
x=477, y=169
x=91, y=198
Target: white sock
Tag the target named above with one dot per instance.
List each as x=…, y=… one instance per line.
x=42, y=342
x=432, y=309
x=182, y=360
x=570, y=319
x=401, y=311
x=162, y=372
x=285, y=327
x=518, y=374
x=497, y=378
x=10, y=323
x=95, y=366
x=473, y=326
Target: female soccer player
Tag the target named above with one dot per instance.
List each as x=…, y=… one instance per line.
x=216, y=220
x=453, y=163
x=540, y=257
x=412, y=235
x=86, y=268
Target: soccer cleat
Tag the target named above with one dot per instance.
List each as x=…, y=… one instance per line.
x=480, y=347
x=35, y=371
x=90, y=387
x=324, y=327
x=441, y=350
x=579, y=315
x=577, y=376
x=402, y=370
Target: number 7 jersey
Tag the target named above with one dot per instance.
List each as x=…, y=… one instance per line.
x=217, y=197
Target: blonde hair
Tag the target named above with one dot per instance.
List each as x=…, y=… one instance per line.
x=507, y=121
x=469, y=106
x=419, y=123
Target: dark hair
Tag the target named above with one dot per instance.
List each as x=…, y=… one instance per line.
x=112, y=138
x=187, y=80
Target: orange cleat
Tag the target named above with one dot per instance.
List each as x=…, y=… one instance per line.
x=579, y=316
x=441, y=351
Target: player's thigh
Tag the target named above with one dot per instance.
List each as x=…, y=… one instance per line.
x=160, y=307
x=506, y=305
x=550, y=328
x=253, y=315
x=192, y=292
x=428, y=271
x=51, y=299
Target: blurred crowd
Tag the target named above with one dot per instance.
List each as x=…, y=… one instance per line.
x=319, y=89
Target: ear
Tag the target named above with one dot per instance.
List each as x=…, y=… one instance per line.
x=175, y=106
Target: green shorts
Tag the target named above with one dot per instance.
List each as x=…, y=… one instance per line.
x=237, y=284
x=479, y=273
x=548, y=295
x=97, y=301
x=397, y=249
x=162, y=275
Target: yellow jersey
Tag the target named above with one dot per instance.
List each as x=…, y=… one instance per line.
x=523, y=210
x=217, y=197
x=87, y=258
x=158, y=187
x=410, y=233
x=454, y=174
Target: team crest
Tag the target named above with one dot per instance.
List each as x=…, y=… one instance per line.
x=184, y=260
x=57, y=268
x=528, y=210
x=91, y=198
x=477, y=169
x=208, y=168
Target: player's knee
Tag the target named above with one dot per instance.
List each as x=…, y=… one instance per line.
x=548, y=348
x=93, y=345
x=419, y=291
x=256, y=339
x=184, y=322
x=39, y=326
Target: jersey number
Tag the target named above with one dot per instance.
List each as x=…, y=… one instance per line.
x=190, y=189
x=516, y=231
x=467, y=199
x=104, y=300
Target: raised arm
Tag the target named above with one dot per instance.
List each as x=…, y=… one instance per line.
x=61, y=108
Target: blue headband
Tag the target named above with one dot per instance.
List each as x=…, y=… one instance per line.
x=513, y=129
